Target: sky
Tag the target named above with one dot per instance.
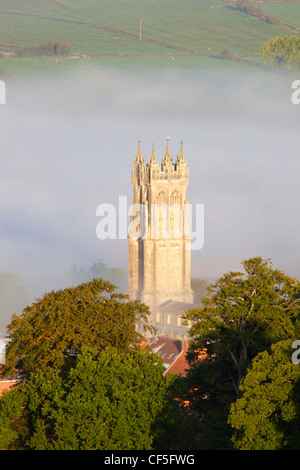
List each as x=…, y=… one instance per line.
x=67, y=145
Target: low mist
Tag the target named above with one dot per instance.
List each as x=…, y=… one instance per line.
x=67, y=145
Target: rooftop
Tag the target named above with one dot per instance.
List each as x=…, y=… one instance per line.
x=172, y=353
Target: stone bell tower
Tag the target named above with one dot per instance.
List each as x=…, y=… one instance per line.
x=159, y=239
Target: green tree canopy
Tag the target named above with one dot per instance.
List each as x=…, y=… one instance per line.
x=266, y=416
x=282, y=51
x=54, y=329
x=245, y=313
x=110, y=400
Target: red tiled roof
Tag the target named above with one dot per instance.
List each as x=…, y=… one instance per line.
x=180, y=366
x=172, y=353
x=6, y=385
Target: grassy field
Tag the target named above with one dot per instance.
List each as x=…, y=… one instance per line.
x=172, y=29
x=288, y=14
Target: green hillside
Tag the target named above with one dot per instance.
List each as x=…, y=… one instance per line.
x=289, y=14
x=169, y=28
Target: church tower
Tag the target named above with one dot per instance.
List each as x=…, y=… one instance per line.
x=159, y=240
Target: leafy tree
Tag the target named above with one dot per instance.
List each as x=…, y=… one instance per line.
x=62, y=49
x=13, y=423
x=226, y=54
x=282, y=51
x=245, y=314
x=109, y=400
x=116, y=276
x=273, y=19
x=49, y=49
x=54, y=329
x=266, y=416
x=249, y=8
x=177, y=427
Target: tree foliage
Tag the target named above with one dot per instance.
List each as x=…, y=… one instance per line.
x=249, y=8
x=49, y=49
x=282, y=51
x=245, y=314
x=266, y=416
x=54, y=329
x=253, y=10
x=110, y=400
x=12, y=420
x=87, y=387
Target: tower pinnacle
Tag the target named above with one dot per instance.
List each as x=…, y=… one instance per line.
x=181, y=151
x=153, y=157
x=139, y=154
x=167, y=154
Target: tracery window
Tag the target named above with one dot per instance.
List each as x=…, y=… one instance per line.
x=161, y=198
x=175, y=198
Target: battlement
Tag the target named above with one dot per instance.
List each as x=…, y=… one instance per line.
x=167, y=169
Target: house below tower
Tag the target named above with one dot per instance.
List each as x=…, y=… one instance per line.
x=169, y=319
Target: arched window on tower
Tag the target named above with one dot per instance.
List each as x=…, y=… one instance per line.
x=175, y=216
x=161, y=198
x=175, y=198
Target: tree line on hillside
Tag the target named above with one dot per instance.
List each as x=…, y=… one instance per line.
x=247, y=7
x=280, y=52
x=49, y=49
x=87, y=382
